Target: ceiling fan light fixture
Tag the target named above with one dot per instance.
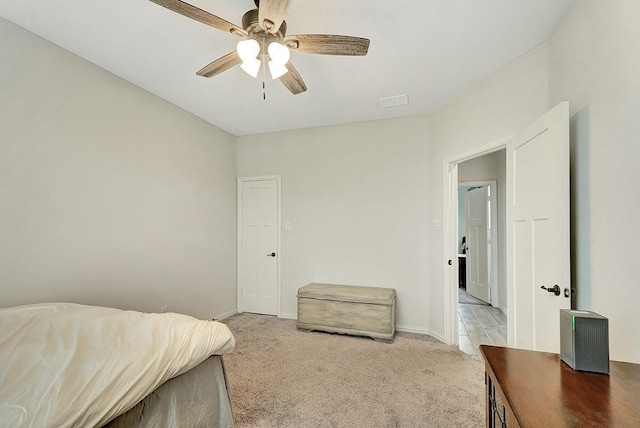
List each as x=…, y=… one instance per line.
x=278, y=53
x=248, y=50
x=251, y=67
x=277, y=70
x=265, y=32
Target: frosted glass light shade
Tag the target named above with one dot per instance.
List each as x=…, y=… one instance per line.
x=251, y=67
x=277, y=70
x=248, y=50
x=278, y=53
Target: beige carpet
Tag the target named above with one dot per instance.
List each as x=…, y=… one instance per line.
x=282, y=377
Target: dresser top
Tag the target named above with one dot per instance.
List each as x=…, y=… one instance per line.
x=541, y=390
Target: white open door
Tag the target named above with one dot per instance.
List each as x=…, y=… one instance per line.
x=258, y=255
x=538, y=252
x=478, y=239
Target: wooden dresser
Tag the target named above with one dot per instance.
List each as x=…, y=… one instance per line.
x=536, y=389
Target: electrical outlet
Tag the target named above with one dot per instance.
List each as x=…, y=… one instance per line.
x=164, y=309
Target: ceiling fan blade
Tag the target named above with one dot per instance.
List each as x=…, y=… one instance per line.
x=221, y=64
x=200, y=15
x=328, y=44
x=292, y=80
x=271, y=13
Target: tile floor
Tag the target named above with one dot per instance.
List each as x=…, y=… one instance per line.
x=480, y=325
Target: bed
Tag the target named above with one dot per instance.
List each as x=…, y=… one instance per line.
x=70, y=365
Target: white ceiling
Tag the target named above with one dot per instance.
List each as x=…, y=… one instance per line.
x=431, y=50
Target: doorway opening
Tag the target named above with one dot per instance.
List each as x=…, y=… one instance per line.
x=481, y=319
x=478, y=242
x=536, y=223
x=482, y=166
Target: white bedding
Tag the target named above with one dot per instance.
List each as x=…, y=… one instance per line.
x=68, y=365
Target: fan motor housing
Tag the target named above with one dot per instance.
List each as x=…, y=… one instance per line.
x=250, y=24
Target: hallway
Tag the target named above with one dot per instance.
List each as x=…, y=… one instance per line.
x=480, y=325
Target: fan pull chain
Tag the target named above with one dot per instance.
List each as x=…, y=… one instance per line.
x=264, y=78
x=264, y=71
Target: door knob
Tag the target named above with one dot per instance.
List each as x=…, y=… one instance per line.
x=271, y=255
x=555, y=289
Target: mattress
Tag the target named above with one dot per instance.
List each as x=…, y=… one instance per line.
x=69, y=365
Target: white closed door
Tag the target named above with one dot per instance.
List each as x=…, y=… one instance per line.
x=258, y=241
x=478, y=241
x=538, y=235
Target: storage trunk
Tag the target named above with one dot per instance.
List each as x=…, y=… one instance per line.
x=348, y=309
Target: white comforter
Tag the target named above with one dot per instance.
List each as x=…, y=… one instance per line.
x=68, y=365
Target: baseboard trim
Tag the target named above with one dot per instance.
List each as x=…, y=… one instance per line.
x=419, y=330
x=440, y=337
x=411, y=329
x=288, y=316
x=399, y=327
x=226, y=315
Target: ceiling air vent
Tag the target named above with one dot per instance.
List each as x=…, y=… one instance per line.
x=394, y=101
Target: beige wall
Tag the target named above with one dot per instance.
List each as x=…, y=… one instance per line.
x=108, y=195
x=363, y=198
x=497, y=107
x=104, y=184
x=357, y=199
x=590, y=60
x=594, y=63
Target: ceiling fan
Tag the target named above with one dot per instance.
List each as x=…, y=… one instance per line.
x=264, y=32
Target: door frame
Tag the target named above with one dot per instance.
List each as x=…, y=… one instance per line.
x=450, y=231
x=493, y=284
x=240, y=181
